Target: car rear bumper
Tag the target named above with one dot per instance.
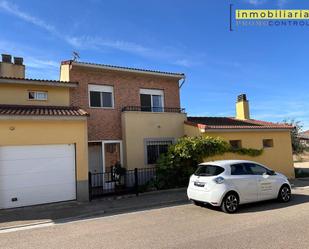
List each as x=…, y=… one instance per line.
x=213, y=197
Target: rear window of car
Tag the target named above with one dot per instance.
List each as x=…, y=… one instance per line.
x=208, y=170
x=239, y=169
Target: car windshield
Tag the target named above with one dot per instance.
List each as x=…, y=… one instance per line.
x=208, y=170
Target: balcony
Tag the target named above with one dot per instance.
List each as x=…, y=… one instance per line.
x=152, y=109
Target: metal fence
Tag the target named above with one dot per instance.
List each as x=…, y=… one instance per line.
x=113, y=183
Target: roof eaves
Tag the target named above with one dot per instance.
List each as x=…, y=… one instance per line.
x=27, y=110
x=12, y=80
x=125, y=69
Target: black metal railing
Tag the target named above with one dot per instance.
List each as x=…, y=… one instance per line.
x=112, y=183
x=152, y=109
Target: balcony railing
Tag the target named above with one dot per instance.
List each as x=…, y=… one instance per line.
x=152, y=109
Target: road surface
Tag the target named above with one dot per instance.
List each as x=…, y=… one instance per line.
x=263, y=225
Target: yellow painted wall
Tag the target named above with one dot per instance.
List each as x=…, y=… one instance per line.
x=12, y=70
x=191, y=131
x=139, y=125
x=15, y=94
x=242, y=110
x=279, y=157
x=36, y=132
x=65, y=72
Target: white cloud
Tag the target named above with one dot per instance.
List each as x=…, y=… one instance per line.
x=97, y=42
x=183, y=63
x=40, y=63
x=14, y=10
x=256, y=2
x=89, y=42
x=280, y=3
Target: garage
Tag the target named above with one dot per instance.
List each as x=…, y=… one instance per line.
x=36, y=174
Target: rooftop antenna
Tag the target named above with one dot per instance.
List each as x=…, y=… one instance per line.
x=75, y=56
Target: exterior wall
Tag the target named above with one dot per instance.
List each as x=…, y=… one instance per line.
x=12, y=70
x=105, y=124
x=192, y=131
x=65, y=72
x=36, y=132
x=15, y=94
x=137, y=126
x=279, y=157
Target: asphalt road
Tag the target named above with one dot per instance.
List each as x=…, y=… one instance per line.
x=264, y=225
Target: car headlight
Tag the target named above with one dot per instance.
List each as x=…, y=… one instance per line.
x=219, y=180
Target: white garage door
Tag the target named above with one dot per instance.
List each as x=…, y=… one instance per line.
x=36, y=174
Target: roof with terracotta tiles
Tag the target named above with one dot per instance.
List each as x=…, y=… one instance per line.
x=23, y=110
x=38, y=81
x=233, y=123
x=131, y=69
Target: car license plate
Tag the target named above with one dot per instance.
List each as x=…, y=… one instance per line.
x=199, y=184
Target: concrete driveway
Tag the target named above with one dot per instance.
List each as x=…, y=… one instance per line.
x=263, y=225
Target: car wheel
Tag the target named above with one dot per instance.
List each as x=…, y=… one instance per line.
x=284, y=194
x=230, y=203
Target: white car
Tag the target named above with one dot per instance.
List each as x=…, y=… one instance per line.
x=228, y=183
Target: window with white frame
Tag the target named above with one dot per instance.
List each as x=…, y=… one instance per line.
x=152, y=100
x=37, y=95
x=155, y=148
x=101, y=96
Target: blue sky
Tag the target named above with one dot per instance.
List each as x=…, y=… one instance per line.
x=269, y=64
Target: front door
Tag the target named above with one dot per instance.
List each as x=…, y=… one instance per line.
x=112, y=155
x=265, y=182
x=102, y=157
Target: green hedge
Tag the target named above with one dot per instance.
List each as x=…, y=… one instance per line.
x=182, y=158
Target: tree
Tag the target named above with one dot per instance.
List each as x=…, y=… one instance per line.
x=297, y=146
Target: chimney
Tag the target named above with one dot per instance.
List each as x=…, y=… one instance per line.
x=12, y=70
x=242, y=107
x=18, y=60
x=7, y=58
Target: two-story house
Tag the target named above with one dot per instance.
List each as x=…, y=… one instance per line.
x=134, y=114
x=43, y=140
x=53, y=132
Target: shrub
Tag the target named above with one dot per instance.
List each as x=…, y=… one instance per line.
x=182, y=158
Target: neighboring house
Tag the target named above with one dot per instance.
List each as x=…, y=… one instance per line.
x=134, y=113
x=43, y=140
x=304, y=138
x=243, y=132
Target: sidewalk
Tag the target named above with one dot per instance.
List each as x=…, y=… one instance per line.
x=67, y=211
x=300, y=183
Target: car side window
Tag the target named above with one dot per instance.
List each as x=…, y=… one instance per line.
x=239, y=169
x=255, y=169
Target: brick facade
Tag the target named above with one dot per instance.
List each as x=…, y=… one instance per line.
x=105, y=124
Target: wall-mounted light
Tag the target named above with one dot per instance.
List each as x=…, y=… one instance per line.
x=12, y=128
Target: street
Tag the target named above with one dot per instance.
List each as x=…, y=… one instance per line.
x=260, y=225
